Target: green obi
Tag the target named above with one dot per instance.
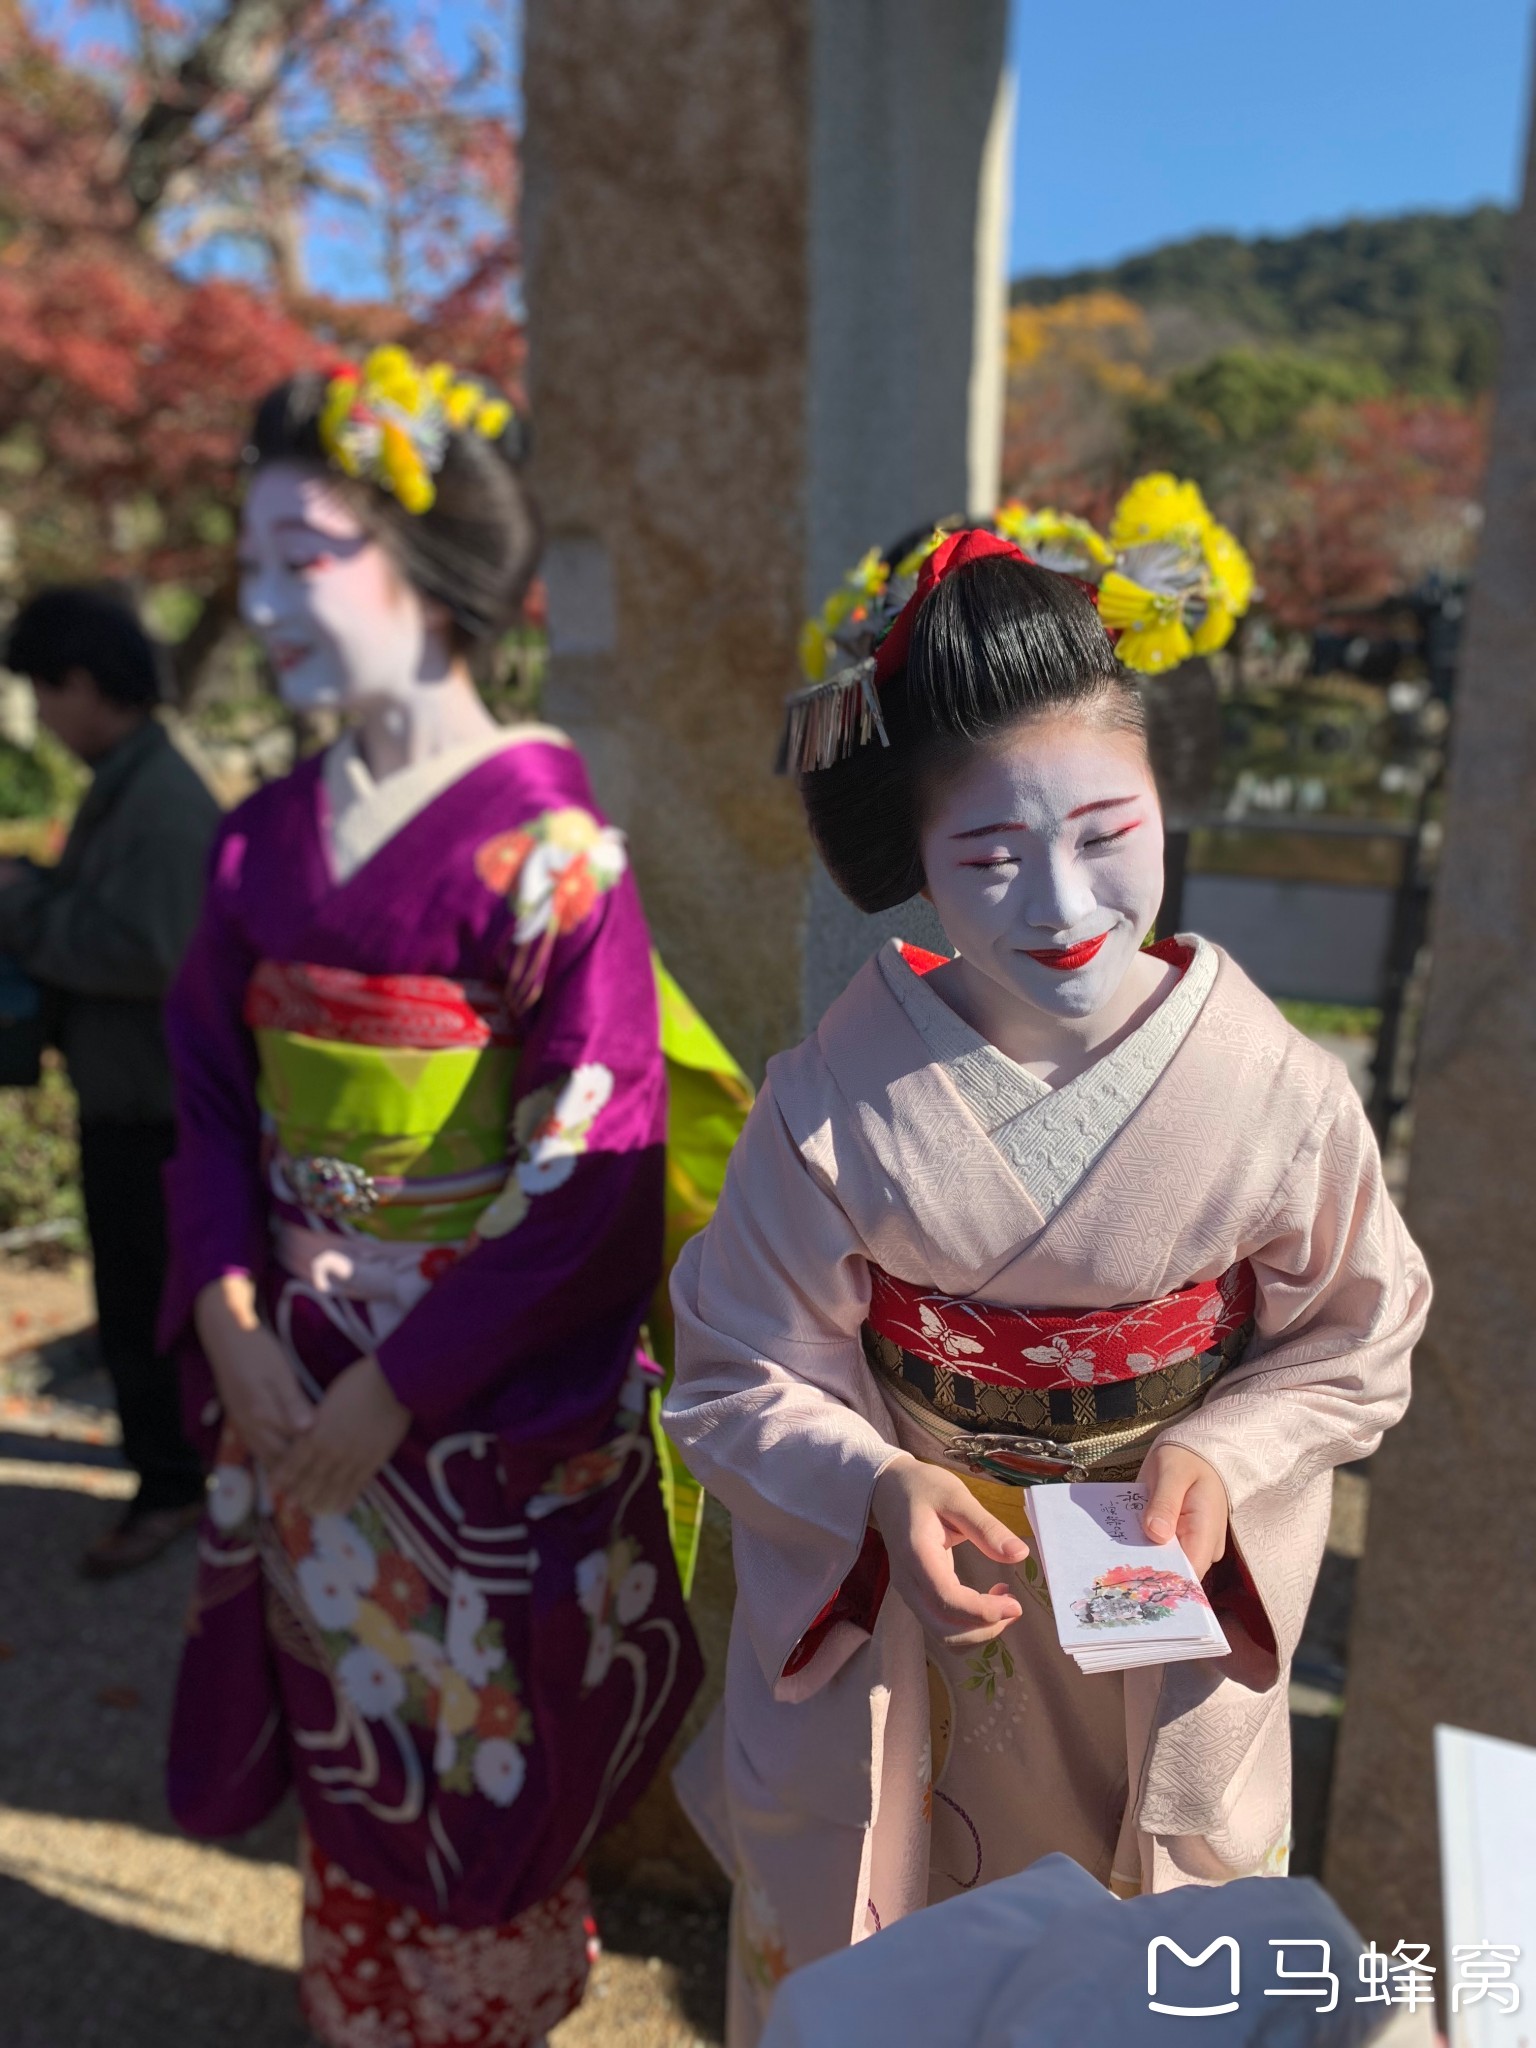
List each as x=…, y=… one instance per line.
x=401, y=1143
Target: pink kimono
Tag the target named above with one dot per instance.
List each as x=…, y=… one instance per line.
x=896, y=1139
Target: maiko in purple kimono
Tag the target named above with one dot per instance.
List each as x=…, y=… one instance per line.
x=422, y=1104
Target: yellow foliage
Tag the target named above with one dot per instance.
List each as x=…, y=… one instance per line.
x=1097, y=332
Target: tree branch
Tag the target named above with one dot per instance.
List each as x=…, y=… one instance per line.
x=244, y=51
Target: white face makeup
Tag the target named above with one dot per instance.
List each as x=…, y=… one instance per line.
x=1044, y=861
x=341, y=626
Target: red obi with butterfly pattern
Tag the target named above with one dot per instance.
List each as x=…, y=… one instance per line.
x=1044, y=1349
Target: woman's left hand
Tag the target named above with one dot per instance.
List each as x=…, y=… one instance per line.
x=358, y=1426
x=1185, y=1498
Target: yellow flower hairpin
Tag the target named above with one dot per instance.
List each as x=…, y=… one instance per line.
x=389, y=422
x=1056, y=540
x=1168, y=579
x=1180, y=580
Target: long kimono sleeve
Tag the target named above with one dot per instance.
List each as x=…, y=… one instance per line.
x=1342, y=1295
x=765, y=1403
x=531, y=1332
x=216, y=1206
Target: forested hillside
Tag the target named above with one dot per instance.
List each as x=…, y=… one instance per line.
x=1416, y=296
x=1328, y=390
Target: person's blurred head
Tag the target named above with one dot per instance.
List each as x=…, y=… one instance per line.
x=92, y=666
x=355, y=596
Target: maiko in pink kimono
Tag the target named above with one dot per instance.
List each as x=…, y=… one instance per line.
x=1065, y=1205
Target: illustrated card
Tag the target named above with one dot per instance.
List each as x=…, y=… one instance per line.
x=1118, y=1598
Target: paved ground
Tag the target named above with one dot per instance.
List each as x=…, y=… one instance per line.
x=115, y=1929
x=112, y=1927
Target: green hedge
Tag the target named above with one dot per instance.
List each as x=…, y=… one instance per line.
x=39, y=1157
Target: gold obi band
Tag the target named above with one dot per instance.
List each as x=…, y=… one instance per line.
x=1000, y=1461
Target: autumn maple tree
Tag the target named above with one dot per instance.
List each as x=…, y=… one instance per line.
x=181, y=185
x=1344, y=489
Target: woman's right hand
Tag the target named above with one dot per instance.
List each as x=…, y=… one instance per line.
x=262, y=1398
x=923, y=1512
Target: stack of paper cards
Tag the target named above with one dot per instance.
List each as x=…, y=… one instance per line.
x=1119, y=1600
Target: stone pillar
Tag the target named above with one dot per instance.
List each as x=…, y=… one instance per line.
x=667, y=159
x=911, y=131
x=765, y=278
x=1446, y=1606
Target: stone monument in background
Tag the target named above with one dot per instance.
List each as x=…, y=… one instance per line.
x=1445, y=1613
x=765, y=274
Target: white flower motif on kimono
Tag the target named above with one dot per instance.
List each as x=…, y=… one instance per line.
x=599, y=1654
x=445, y=1750
x=951, y=1344
x=592, y=1583
x=328, y=1593
x=1077, y=1365
x=370, y=1682
x=553, y=869
x=346, y=1549
x=231, y=1496
x=550, y=1163
x=467, y=1613
x=550, y=1128
x=637, y=1589
x=428, y=1656
x=574, y=862
x=499, y=1770
x=551, y=1148
x=589, y=1090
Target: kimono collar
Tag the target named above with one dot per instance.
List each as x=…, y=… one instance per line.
x=942, y=1167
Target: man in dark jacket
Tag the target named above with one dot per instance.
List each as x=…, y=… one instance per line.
x=102, y=933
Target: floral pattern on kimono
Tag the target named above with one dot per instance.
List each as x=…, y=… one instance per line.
x=379, y=1975
x=423, y=1669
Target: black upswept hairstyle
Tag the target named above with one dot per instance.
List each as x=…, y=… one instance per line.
x=994, y=643
x=476, y=547
x=85, y=626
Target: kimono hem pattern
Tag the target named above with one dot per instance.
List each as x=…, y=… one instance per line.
x=422, y=1104
x=1214, y=1134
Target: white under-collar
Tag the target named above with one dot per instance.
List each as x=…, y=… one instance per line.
x=363, y=814
x=1051, y=1136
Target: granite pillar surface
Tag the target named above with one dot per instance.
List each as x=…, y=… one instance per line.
x=912, y=122
x=666, y=202
x=1445, y=1614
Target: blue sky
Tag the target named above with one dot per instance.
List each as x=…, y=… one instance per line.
x=1140, y=124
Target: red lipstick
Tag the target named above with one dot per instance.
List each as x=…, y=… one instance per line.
x=1065, y=958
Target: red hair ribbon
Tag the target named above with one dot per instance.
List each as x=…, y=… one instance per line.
x=955, y=551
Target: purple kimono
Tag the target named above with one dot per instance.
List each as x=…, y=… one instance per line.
x=422, y=1102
